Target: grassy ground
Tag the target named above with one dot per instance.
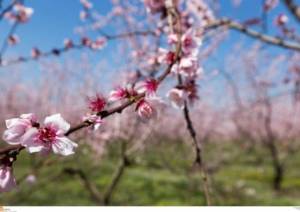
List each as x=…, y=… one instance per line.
x=162, y=175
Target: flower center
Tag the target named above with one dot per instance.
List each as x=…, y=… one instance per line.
x=188, y=42
x=47, y=134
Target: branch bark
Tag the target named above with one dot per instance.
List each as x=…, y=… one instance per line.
x=275, y=41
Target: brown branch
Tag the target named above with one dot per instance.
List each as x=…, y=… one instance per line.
x=106, y=113
x=199, y=160
x=59, y=51
x=254, y=34
x=5, y=42
x=173, y=11
x=293, y=8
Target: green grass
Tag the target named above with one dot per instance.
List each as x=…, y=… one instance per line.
x=162, y=175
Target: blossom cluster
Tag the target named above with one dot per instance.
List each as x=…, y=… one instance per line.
x=27, y=132
x=20, y=13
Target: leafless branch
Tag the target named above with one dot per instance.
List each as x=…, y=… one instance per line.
x=254, y=34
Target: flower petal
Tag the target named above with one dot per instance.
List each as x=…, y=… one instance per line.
x=58, y=122
x=30, y=141
x=63, y=146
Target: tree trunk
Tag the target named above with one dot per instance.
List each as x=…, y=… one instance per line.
x=277, y=167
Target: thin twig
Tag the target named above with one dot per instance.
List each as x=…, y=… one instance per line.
x=254, y=34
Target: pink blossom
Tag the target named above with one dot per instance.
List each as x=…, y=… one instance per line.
x=50, y=137
x=177, y=97
x=281, y=20
x=13, y=39
x=16, y=128
x=270, y=4
x=86, y=4
x=7, y=180
x=165, y=56
x=97, y=103
x=149, y=87
x=86, y=41
x=68, y=43
x=190, y=42
x=172, y=38
x=23, y=13
x=118, y=94
x=188, y=67
x=35, y=53
x=98, y=43
x=145, y=109
x=154, y=6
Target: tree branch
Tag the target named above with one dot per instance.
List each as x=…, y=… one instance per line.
x=254, y=34
x=293, y=8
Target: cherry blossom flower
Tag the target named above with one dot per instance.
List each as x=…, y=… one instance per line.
x=35, y=53
x=23, y=13
x=13, y=39
x=145, y=109
x=118, y=94
x=98, y=43
x=86, y=41
x=49, y=137
x=148, y=108
x=190, y=42
x=154, y=6
x=281, y=20
x=149, y=87
x=68, y=43
x=188, y=67
x=177, y=97
x=270, y=4
x=97, y=103
x=172, y=38
x=7, y=180
x=86, y=4
x=16, y=128
x=165, y=56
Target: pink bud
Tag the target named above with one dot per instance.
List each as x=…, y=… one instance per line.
x=177, y=97
x=13, y=40
x=118, y=94
x=145, y=110
x=281, y=20
x=68, y=43
x=97, y=103
x=7, y=180
x=16, y=128
x=149, y=87
x=35, y=53
x=98, y=43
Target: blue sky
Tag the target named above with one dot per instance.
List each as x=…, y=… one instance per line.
x=53, y=20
